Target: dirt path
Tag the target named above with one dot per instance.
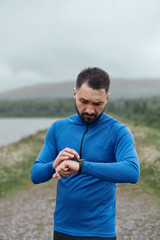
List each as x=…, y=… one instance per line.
x=29, y=214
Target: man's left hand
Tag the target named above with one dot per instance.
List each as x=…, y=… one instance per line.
x=66, y=169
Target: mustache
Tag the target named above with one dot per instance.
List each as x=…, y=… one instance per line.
x=87, y=114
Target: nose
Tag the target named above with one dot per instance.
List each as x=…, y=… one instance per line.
x=90, y=109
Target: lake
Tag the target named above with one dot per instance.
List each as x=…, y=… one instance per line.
x=13, y=129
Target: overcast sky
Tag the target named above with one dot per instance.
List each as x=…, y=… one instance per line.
x=53, y=40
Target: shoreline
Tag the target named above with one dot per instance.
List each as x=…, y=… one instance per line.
x=14, y=129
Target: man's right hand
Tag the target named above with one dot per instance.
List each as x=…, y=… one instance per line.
x=65, y=154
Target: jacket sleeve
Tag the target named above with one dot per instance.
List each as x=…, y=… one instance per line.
x=125, y=169
x=42, y=169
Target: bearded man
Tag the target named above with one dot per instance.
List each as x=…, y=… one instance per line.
x=89, y=153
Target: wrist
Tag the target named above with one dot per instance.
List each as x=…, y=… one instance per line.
x=54, y=165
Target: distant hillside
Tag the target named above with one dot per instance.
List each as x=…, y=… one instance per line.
x=119, y=89
x=40, y=91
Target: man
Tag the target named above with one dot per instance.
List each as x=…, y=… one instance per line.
x=89, y=153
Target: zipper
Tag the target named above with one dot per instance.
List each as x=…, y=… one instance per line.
x=82, y=140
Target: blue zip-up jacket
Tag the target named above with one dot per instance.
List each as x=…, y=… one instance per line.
x=85, y=203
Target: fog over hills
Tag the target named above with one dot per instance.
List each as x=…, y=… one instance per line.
x=118, y=89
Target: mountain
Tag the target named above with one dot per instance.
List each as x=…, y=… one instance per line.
x=119, y=89
x=40, y=91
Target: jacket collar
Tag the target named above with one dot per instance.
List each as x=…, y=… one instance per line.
x=96, y=123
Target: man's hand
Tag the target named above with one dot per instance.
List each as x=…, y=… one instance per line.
x=65, y=154
x=66, y=169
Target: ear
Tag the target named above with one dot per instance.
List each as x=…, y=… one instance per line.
x=107, y=98
x=74, y=93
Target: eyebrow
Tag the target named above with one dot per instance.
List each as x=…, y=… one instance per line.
x=98, y=103
x=86, y=100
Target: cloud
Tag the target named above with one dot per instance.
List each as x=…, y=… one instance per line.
x=53, y=40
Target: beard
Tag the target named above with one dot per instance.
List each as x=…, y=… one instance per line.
x=88, y=118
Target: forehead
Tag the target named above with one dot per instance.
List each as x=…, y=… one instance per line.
x=89, y=93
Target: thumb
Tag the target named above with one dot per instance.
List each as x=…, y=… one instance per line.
x=54, y=175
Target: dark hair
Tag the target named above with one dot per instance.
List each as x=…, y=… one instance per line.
x=95, y=77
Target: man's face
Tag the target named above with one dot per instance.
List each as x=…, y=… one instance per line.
x=90, y=103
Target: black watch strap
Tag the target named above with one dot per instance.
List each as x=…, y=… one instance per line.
x=81, y=161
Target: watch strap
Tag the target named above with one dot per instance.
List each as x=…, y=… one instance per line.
x=81, y=161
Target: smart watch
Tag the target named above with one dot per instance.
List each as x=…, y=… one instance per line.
x=81, y=161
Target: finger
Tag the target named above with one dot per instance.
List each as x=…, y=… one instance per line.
x=76, y=154
x=66, y=155
x=73, y=153
x=58, y=160
x=63, y=157
x=64, y=173
x=58, y=175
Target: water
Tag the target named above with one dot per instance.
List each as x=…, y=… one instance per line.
x=13, y=129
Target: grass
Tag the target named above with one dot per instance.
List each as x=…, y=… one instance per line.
x=150, y=175
x=16, y=162
x=147, y=141
x=17, y=159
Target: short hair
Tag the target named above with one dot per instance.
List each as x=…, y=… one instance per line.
x=96, y=78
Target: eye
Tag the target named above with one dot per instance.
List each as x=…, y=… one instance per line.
x=84, y=101
x=97, y=103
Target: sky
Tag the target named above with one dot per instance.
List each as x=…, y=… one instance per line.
x=53, y=40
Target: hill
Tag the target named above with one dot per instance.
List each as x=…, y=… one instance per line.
x=119, y=89
x=40, y=91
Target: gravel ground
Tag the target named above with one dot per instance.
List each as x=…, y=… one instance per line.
x=29, y=214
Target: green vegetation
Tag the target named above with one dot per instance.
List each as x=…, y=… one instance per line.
x=17, y=159
x=145, y=112
x=37, y=108
x=147, y=142
x=142, y=117
x=16, y=162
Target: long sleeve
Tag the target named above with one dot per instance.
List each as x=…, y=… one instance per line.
x=42, y=169
x=125, y=169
